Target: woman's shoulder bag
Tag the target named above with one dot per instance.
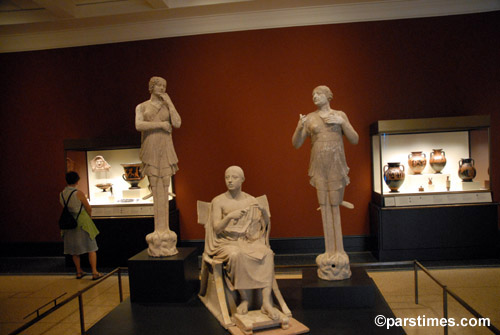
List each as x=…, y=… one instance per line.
x=66, y=220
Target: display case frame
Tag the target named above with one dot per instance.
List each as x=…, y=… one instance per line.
x=120, y=200
x=392, y=141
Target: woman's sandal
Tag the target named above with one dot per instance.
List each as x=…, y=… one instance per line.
x=80, y=275
x=97, y=276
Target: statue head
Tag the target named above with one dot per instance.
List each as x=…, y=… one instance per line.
x=154, y=81
x=234, y=177
x=324, y=90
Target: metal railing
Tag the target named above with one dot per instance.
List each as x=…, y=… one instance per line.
x=417, y=265
x=79, y=294
x=446, y=292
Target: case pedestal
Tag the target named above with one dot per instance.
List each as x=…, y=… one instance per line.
x=465, y=231
x=131, y=194
x=355, y=292
x=163, y=279
x=471, y=185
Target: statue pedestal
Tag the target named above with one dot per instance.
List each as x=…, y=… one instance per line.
x=163, y=279
x=355, y=292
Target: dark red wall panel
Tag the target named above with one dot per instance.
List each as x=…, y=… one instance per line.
x=240, y=95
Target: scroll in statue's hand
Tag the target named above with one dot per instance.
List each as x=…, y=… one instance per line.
x=245, y=218
x=237, y=214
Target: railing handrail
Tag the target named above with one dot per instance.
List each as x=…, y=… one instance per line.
x=78, y=295
x=446, y=291
x=118, y=270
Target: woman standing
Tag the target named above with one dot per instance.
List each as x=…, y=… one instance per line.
x=80, y=240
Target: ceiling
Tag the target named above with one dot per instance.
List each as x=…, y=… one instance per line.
x=45, y=24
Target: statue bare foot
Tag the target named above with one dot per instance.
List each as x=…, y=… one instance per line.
x=270, y=311
x=242, y=307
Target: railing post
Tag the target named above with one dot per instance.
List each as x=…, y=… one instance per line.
x=82, y=317
x=415, y=267
x=445, y=309
x=56, y=306
x=120, y=291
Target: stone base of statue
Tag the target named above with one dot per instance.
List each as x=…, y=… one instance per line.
x=162, y=243
x=261, y=324
x=355, y=292
x=163, y=279
x=333, y=266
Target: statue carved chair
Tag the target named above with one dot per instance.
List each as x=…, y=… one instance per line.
x=221, y=300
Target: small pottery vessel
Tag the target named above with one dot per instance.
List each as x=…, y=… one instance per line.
x=437, y=160
x=466, y=169
x=417, y=161
x=394, y=175
x=104, y=187
x=132, y=174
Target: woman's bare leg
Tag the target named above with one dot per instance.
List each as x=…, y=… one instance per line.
x=93, y=262
x=76, y=261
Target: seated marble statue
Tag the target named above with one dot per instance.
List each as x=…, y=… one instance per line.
x=237, y=234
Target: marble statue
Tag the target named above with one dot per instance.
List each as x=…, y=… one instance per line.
x=236, y=235
x=328, y=173
x=155, y=119
x=237, y=282
x=98, y=163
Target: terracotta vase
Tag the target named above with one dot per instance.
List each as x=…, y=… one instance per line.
x=417, y=161
x=132, y=174
x=437, y=160
x=394, y=175
x=466, y=169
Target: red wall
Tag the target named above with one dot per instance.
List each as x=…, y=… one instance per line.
x=239, y=95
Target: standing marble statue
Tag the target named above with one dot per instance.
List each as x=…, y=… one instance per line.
x=237, y=234
x=155, y=118
x=328, y=173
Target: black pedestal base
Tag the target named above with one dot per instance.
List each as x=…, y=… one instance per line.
x=355, y=292
x=192, y=317
x=163, y=279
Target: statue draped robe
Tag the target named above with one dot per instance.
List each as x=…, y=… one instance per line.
x=242, y=246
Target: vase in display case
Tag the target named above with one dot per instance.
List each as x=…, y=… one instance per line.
x=466, y=169
x=437, y=160
x=417, y=161
x=105, y=187
x=394, y=175
x=132, y=174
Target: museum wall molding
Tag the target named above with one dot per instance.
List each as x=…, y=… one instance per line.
x=81, y=31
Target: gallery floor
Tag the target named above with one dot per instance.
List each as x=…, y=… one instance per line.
x=24, y=287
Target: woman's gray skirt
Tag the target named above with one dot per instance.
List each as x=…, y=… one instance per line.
x=77, y=241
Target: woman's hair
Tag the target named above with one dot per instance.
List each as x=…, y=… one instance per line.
x=155, y=80
x=237, y=169
x=72, y=178
x=325, y=90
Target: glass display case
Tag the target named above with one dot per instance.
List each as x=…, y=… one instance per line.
x=110, y=175
x=431, y=161
x=431, y=197
x=122, y=209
